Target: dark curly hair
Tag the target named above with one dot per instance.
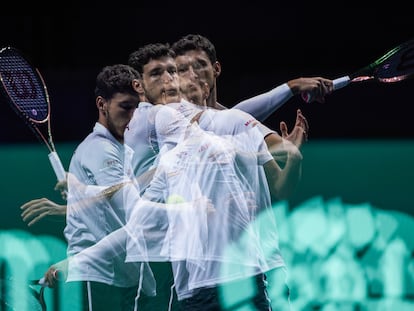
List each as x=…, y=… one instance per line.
x=195, y=42
x=144, y=54
x=115, y=79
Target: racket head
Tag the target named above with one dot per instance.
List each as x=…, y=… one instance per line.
x=17, y=296
x=396, y=65
x=23, y=85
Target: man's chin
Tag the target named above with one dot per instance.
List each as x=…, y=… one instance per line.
x=171, y=99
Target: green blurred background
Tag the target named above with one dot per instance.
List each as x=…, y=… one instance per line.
x=345, y=234
x=380, y=172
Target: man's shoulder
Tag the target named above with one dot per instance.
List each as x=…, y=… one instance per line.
x=219, y=106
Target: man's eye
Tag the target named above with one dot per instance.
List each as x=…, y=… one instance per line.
x=129, y=106
x=199, y=65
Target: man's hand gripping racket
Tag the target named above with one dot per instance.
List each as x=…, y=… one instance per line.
x=395, y=65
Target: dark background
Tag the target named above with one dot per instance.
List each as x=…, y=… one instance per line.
x=259, y=46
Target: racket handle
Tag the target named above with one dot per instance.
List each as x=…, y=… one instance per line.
x=337, y=84
x=341, y=82
x=57, y=166
x=43, y=282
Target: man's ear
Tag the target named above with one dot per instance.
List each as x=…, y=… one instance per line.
x=101, y=104
x=217, y=69
x=137, y=85
x=205, y=89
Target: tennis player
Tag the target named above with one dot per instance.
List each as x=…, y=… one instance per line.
x=198, y=276
x=197, y=54
x=96, y=206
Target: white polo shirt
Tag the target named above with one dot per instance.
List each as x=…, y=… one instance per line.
x=98, y=162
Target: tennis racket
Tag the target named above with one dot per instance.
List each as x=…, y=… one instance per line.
x=15, y=296
x=25, y=89
x=395, y=65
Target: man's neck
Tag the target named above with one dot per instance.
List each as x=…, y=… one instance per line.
x=212, y=101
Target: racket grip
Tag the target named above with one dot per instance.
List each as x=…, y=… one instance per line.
x=337, y=84
x=341, y=82
x=43, y=282
x=57, y=166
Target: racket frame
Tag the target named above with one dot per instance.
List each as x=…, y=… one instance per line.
x=33, y=124
x=370, y=72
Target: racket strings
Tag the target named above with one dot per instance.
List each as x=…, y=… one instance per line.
x=396, y=66
x=24, y=85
